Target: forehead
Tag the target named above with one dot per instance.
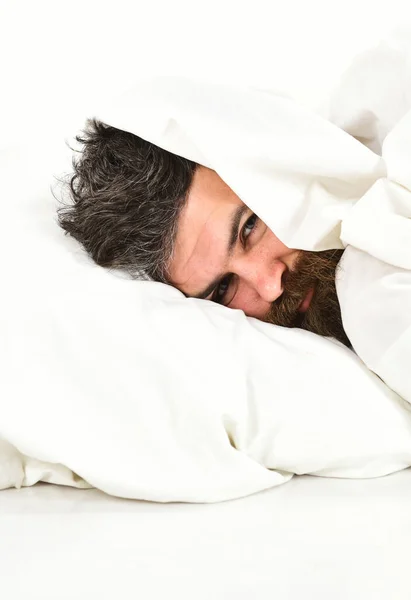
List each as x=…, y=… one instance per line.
x=202, y=232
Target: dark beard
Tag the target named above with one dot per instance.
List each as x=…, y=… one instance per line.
x=313, y=270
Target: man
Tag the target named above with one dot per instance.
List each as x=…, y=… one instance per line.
x=140, y=208
x=309, y=223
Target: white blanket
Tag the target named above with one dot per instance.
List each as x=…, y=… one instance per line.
x=375, y=284
x=316, y=186
x=132, y=388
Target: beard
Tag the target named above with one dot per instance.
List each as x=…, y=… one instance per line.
x=313, y=271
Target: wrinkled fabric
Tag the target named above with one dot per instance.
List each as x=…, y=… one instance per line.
x=297, y=171
x=343, y=181
x=374, y=286
x=133, y=388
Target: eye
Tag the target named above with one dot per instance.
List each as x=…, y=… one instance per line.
x=225, y=291
x=248, y=227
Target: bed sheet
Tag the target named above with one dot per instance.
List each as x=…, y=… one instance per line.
x=311, y=538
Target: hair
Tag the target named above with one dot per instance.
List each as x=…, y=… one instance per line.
x=126, y=195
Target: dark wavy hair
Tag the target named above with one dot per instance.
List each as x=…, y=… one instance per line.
x=126, y=195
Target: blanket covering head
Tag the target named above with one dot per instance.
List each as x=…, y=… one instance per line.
x=316, y=186
x=130, y=387
x=297, y=171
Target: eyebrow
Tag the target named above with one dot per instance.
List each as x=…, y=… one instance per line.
x=234, y=226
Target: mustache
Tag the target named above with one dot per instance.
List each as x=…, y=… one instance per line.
x=313, y=271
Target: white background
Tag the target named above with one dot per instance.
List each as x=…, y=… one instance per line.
x=60, y=57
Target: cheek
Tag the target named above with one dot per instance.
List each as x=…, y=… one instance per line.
x=270, y=249
x=272, y=246
x=249, y=301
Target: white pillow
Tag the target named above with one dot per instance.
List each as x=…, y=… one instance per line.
x=146, y=394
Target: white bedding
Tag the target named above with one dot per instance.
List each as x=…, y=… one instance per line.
x=134, y=389
x=317, y=186
x=313, y=538
x=146, y=394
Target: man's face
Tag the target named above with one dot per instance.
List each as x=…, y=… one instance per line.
x=225, y=253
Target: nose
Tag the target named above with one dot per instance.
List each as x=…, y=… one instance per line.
x=264, y=276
